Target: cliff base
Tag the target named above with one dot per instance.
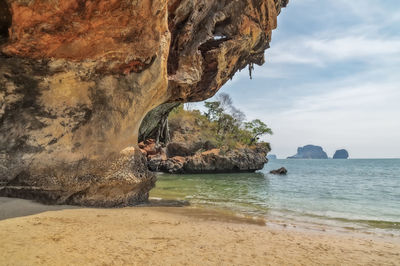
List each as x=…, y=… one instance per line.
x=210, y=161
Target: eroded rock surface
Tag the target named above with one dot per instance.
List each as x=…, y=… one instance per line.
x=212, y=40
x=197, y=160
x=78, y=77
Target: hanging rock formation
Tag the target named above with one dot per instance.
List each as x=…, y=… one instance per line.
x=78, y=77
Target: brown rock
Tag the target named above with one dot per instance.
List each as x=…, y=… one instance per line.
x=179, y=159
x=180, y=149
x=280, y=171
x=213, y=151
x=151, y=149
x=144, y=152
x=232, y=161
x=212, y=161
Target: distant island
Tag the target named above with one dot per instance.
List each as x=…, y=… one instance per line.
x=316, y=152
x=310, y=152
x=272, y=157
x=341, y=154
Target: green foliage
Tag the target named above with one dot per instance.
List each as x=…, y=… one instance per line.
x=214, y=110
x=222, y=124
x=257, y=128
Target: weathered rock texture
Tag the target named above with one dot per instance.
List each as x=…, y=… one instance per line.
x=77, y=78
x=184, y=160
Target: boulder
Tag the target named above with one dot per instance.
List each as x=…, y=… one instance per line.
x=172, y=165
x=181, y=149
x=280, y=171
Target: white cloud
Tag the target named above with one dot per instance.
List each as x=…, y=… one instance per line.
x=363, y=119
x=336, y=85
x=354, y=97
x=353, y=47
x=319, y=52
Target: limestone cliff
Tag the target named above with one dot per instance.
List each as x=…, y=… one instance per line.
x=77, y=78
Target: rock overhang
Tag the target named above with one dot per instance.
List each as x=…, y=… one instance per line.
x=77, y=77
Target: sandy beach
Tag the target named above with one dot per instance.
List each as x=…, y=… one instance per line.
x=177, y=236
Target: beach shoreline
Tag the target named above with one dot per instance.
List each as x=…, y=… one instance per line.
x=179, y=236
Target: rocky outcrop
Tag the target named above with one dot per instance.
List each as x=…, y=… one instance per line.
x=310, y=152
x=280, y=171
x=192, y=150
x=341, y=154
x=210, y=161
x=78, y=77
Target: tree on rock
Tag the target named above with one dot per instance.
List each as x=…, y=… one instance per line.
x=257, y=129
x=214, y=110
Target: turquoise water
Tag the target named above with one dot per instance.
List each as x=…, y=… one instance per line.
x=355, y=193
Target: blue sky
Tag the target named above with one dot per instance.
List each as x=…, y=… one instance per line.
x=331, y=78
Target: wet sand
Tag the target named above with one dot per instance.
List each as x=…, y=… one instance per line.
x=178, y=236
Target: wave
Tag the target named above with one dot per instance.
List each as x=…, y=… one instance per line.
x=371, y=223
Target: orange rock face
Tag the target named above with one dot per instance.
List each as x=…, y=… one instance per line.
x=122, y=34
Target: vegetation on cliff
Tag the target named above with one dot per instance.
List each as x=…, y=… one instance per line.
x=216, y=140
x=221, y=124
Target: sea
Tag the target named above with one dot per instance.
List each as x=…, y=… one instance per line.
x=355, y=194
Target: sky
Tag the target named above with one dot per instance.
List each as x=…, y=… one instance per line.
x=331, y=78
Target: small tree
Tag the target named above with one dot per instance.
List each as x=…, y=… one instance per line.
x=214, y=110
x=226, y=122
x=257, y=128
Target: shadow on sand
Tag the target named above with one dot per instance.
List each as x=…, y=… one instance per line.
x=14, y=207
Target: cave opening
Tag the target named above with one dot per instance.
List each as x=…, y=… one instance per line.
x=5, y=20
x=220, y=29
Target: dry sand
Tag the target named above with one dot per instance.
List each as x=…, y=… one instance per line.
x=177, y=236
